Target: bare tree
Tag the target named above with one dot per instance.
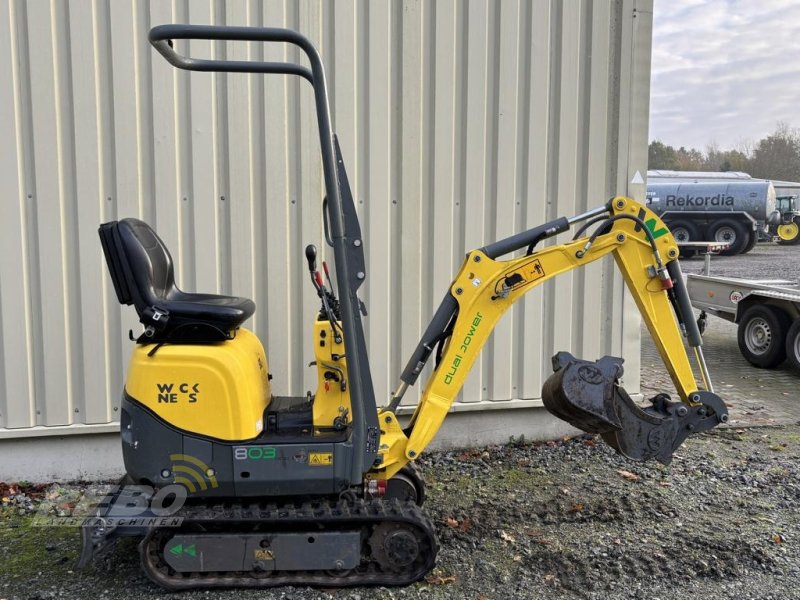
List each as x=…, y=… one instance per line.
x=777, y=156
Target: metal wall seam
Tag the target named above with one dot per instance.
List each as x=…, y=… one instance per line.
x=532, y=358
x=639, y=14
x=15, y=340
x=459, y=122
x=47, y=106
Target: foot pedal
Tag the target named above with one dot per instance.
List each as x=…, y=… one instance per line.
x=588, y=396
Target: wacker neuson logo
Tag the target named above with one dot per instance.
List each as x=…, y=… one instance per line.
x=689, y=200
x=464, y=347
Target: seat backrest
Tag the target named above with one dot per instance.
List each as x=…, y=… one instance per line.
x=115, y=262
x=140, y=265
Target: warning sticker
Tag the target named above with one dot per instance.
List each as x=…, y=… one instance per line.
x=320, y=459
x=533, y=270
x=521, y=276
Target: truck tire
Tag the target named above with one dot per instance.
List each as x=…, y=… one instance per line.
x=684, y=231
x=762, y=335
x=752, y=243
x=732, y=232
x=789, y=233
x=793, y=345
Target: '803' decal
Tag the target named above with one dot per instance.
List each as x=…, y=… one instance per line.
x=255, y=453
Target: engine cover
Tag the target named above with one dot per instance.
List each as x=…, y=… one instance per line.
x=215, y=390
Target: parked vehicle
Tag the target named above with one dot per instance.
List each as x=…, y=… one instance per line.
x=788, y=229
x=733, y=212
x=767, y=313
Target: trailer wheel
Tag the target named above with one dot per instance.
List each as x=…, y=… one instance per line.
x=793, y=345
x=789, y=233
x=731, y=232
x=762, y=335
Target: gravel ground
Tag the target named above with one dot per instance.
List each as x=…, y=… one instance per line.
x=765, y=261
x=563, y=519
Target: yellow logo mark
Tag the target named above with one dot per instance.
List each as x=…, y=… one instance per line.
x=195, y=474
x=320, y=459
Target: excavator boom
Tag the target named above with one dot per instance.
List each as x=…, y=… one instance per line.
x=586, y=394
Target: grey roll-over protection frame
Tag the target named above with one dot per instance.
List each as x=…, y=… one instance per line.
x=345, y=233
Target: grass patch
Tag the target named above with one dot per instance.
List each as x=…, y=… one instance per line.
x=26, y=549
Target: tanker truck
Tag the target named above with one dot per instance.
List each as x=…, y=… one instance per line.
x=732, y=212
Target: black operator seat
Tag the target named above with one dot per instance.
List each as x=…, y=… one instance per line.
x=142, y=271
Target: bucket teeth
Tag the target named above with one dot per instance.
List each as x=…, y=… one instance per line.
x=588, y=396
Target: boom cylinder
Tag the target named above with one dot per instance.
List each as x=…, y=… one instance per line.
x=684, y=304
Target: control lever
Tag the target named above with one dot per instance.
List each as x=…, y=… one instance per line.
x=328, y=277
x=311, y=257
x=332, y=299
x=316, y=280
x=325, y=296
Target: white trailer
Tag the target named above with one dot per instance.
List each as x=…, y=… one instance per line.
x=767, y=313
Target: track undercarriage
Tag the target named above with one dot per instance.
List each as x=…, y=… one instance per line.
x=255, y=543
x=366, y=542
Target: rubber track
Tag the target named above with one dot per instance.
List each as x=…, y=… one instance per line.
x=239, y=517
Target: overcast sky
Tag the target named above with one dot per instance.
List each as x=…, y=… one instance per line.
x=724, y=70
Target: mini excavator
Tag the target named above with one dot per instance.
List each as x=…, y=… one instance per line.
x=229, y=485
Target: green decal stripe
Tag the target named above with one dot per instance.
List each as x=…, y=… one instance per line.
x=651, y=225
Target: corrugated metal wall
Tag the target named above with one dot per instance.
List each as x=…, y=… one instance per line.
x=460, y=122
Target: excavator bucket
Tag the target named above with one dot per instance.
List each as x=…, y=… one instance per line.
x=588, y=396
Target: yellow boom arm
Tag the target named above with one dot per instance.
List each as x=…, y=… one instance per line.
x=485, y=289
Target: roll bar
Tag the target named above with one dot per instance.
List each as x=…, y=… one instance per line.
x=161, y=38
x=346, y=252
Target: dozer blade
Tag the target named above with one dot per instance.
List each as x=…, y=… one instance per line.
x=588, y=396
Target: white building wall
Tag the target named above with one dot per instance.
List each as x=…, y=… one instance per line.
x=460, y=123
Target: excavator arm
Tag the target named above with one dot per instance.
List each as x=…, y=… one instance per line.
x=586, y=394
